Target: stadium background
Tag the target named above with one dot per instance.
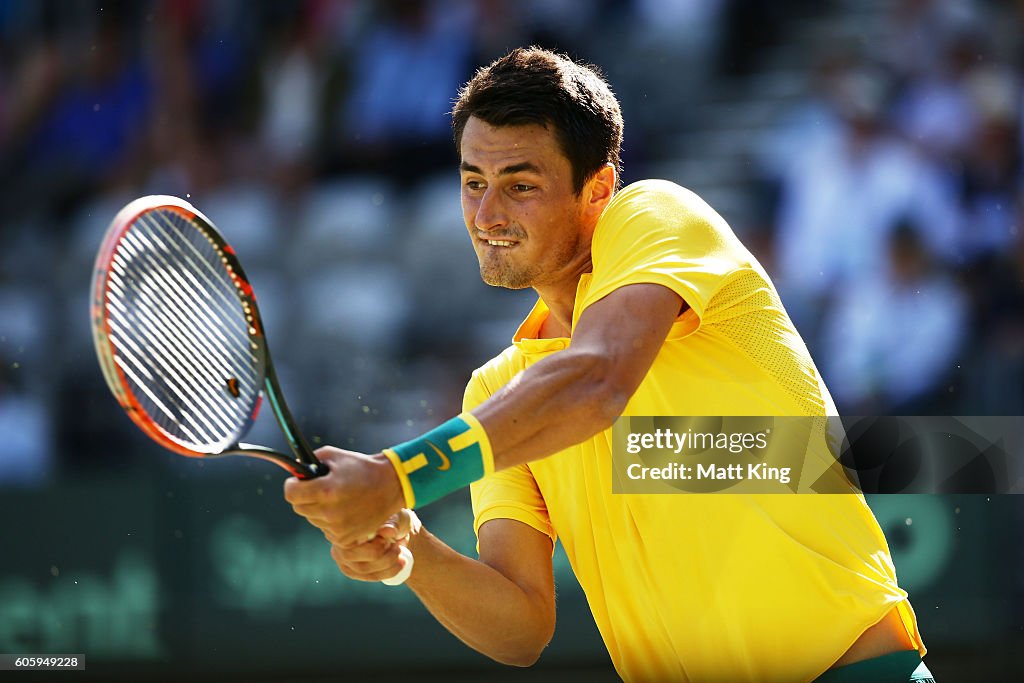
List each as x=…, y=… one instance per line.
x=869, y=152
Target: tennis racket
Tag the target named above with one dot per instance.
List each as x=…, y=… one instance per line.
x=181, y=342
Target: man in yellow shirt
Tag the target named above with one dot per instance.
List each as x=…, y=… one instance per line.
x=648, y=305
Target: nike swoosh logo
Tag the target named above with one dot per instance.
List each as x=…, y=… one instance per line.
x=445, y=462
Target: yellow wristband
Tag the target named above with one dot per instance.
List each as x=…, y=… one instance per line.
x=487, y=455
x=403, y=478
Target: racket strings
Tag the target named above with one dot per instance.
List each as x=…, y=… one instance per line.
x=219, y=285
x=155, y=321
x=181, y=331
x=163, y=366
x=136, y=362
x=177, y=354
x=167, y=276
x=173, y=321
x=215, y=301
x=157, y=364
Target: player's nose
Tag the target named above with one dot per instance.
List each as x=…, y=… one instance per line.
x=490, y=211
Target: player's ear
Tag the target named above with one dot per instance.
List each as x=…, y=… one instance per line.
x=599, y=189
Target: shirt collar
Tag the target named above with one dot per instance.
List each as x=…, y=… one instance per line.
x=526, y=338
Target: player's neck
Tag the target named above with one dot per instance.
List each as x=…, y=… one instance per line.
x=559, y=295
x=560, y=302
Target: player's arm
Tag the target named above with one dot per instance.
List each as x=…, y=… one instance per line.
x=557, y=402
x=570, y=396
x=503, y=605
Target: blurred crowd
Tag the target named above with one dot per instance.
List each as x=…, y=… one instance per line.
x=900, y=197
x=315, y=134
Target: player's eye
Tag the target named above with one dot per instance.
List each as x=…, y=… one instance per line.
x=522, y=187
x=474, y=185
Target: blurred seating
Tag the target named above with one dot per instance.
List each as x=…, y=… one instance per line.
x=26, y=436
x=26, y=329
x=251, y=220
x=343, y=221
x=354, y=305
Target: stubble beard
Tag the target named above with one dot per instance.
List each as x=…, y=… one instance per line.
x=504, y=274
x=501, y=271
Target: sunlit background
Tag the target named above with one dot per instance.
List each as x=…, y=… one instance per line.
x=869, y=152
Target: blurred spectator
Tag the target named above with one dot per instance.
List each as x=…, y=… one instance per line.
x=29, y=80
x=919, y=35
x=405, y=70
x=992, y=172
x=815, y=119
x=890, y=339
x=935, y=110
x=995, y=384
x=292, y=78
x=219, y=41
x=92, y=126
x=841, y=195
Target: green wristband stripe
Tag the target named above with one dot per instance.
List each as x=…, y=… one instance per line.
x=443, y=460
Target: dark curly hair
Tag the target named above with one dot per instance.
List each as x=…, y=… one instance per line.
x=534, y=85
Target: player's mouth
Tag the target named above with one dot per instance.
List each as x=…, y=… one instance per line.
x=498, y=242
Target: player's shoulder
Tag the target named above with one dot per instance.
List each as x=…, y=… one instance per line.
x=664, y=201
x=657, y=191
x=653, y=211
x=497, y=372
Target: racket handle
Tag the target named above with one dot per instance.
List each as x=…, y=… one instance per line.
x=403, y=574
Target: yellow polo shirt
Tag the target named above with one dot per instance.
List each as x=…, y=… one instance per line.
x=699, y=587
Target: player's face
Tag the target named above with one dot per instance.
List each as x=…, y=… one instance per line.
x=525, y=221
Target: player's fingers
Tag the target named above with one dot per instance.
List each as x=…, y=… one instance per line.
x=364, y=552
x=346, y=540
x=389, y=529
x=338, y=555
x=383, y=568
x=377, y=572
x=312, y=512
x=331, y=454
x=352, y=536
x=303, y=490
x=387, y=560
x=407, y=523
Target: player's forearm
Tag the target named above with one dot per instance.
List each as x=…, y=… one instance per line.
x=478, y=604
x=555, y=403
x=552, y=405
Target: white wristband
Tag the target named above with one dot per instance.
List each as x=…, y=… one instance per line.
x=403, y=574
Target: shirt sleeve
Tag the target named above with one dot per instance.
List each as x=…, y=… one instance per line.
x=657, y=232
x=511, y=493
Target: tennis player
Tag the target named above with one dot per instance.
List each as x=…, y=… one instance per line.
x=648, y=305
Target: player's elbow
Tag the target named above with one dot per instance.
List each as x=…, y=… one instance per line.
x=522, y=643
x=522, y=660
x=523, y=653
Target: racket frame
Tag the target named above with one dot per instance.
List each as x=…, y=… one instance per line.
x=301, y=462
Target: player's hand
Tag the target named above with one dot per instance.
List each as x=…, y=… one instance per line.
x=353, y=500
x=378, y=558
